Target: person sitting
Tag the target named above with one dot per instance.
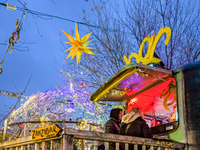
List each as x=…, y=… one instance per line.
x=134, y=125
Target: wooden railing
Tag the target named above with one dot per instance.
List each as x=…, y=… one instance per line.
x=68, y=135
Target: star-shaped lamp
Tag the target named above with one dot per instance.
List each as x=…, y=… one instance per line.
x=78, y=45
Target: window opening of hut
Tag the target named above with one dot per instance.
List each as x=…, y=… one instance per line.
x=158, y=104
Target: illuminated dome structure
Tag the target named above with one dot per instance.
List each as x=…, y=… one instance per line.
x=64, y=106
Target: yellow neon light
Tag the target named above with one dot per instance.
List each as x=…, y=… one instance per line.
x=153, y=41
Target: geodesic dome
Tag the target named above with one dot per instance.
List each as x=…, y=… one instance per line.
x=59, y=105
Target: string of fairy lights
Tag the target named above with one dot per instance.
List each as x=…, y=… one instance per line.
x=40, y=14
x=12, y=40
x=52, y=105
x=60, y=104
x=70, y=105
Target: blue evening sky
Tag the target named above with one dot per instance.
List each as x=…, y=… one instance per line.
x=45, y=52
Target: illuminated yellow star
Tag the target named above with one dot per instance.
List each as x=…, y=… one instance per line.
x=78, y=45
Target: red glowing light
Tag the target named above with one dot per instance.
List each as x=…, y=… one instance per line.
x=21, y=126
x=146, y=99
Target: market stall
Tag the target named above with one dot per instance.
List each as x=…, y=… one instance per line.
x=151, y=89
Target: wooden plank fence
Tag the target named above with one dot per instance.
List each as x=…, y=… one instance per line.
x=88, y=138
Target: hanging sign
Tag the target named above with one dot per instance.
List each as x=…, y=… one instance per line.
x=45, y=132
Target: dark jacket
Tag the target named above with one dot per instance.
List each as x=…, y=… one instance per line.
x=137, y=128
x=112, y=126
x=134, y=125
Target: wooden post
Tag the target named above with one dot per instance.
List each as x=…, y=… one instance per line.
x=106, y=145
x=158, y=148
x=62, y=141
x=126, y=146
x=29, y=147
x=52, y=145
x=17, y=148
x=83, y=144
x=67, y=142
x=135, y=147
x=143, y=147
x=95, y=145
x=22, y=147
x=36, y=146
x=151, y=148
x=117, y=146
x=44, y=146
